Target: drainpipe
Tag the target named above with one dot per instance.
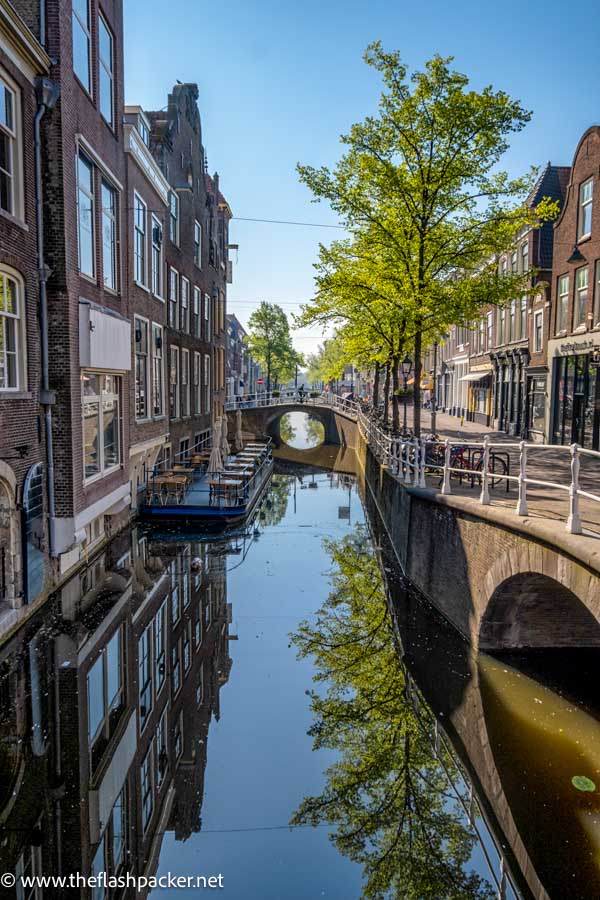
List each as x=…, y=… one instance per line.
x=47, y=92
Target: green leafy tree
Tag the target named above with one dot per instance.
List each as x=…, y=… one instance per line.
x=270, y=344
x=387, y=794
x=428, y=209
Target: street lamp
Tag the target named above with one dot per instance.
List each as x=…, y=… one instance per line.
x=406, y=366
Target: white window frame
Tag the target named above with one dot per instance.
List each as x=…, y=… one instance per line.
x=157, y=265
x=185, y=383
x=206, y=382
x=174, y=218
x=197, y=383
x=525, y=257
x=207, y=319
x=144, y=325
x=20, y=329
x=584, y=203
x=108, y=67
x=579, y=321
x=562, y=308
x=184, y=304
x=158, y=357
x=90, y=195
x=147, y=776
x=109, y=219
x=101, y=399
x=85, y=28
x=197, y=311
x=198, y=243
x=140, y=236
x=14, y=135
x=174, y=382
x=173, y=310
x=538, y=317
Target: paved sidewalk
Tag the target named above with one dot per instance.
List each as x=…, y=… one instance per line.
x=543, y=502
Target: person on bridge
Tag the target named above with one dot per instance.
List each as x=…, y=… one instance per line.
x=301, y=393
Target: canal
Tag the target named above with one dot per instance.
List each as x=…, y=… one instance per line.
x=246, y=706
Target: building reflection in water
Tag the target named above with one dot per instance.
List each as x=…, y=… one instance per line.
x=106, y=703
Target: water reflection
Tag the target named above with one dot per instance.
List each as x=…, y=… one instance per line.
x=111, y=698
x=301, y=430
x=387, y=795
x=106, y=705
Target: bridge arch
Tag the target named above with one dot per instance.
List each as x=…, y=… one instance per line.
x=538, y=598
x=340, y=427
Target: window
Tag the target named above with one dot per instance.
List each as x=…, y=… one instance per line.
x=523, y=319
x=481, y=335
x=198, y=622
x=586, y=191
x=145, y=674
x=512, y=324
x=29, y=865
x=185, y=304
x=490, y=328
x=525, y=257
x=105, y=693
x=81, y=42
x=160, y=743
x=206, y=383
x=106, y=70
x=198, y=244
x=173, y=298
x=196, y=313
x=185, y=382
x=12, y=332
x=143, y=130
x=8, y=148
x=157, y=371
x=538, y=331
x=147, y=778
x=176, y=667
x=178, y=736
x=175, y=598
x=142, y=369
x=139, y=240
x=597, y=293
x=101, y=423
x=174, y=217
x=174, y=383
x=197, y=387
x=501, y=327
x=513, y=262
x=581, y=297
x=160, y=644
x=562, y=306
x=109, y=235
x=207, y=334
x=157, y=264
x=200, y=686
x=504, y=266
x=85, y=215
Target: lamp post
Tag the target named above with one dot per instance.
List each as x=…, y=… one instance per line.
x=406, y=366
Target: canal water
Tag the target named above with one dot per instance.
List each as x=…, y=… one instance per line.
x=244, y=706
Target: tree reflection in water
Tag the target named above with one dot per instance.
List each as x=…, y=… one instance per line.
x=387, y=795
x=275, y=505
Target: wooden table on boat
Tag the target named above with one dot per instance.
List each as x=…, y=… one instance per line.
x=224, y=486
x=168, y=484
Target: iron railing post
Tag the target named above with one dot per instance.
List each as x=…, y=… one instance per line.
x=446, y=487
x=484, y=497
x=574, y=520
x=522, y=501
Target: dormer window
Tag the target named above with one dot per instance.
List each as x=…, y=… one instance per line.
x=584, y=219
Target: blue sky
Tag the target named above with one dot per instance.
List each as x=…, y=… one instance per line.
x=280, y=81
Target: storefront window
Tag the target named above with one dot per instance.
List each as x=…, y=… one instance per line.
x=577, y=402
x=536, y=406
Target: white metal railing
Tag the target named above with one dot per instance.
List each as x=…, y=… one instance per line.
x=486, y=462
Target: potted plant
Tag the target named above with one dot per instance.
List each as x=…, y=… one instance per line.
x=315, y=393
x=275, y=393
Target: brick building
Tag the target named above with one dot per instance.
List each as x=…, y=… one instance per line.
x=147, y=203
x=86, y=249
x=574, y=341
x=195, y=249
x=23, y=536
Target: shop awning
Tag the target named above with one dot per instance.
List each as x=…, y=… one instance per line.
x=475, y=376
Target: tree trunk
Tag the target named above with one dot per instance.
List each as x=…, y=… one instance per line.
x=417, y=385
x=376, y=386
x=386, y=393
x=395, y=392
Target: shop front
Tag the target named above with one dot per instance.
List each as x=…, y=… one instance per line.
x=576, y=392
x=510, y=391
x=537, y=405
x=480, y=393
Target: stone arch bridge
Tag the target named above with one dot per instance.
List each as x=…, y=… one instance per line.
x=264, y=420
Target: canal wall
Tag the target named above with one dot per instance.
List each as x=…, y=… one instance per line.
x=502, y=581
